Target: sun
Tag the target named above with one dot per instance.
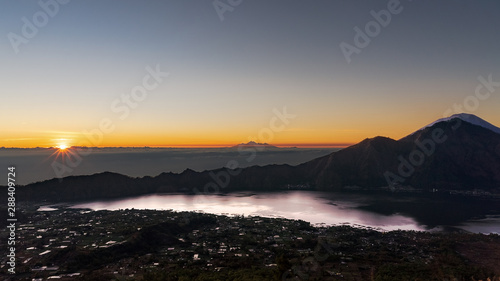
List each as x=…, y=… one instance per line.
x=62, y=151
x=62, y=147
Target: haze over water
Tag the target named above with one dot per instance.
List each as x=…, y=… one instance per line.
x=37, y=164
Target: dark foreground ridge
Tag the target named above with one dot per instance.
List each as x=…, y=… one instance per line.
x=74, y=244
x=452, y=155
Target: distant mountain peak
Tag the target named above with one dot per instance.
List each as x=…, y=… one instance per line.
x=466, y=117
x=255, y=144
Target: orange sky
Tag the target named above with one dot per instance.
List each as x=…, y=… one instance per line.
x=330, y=133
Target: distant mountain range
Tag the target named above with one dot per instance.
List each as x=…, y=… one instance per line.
x=458, y=153
x=254, y=145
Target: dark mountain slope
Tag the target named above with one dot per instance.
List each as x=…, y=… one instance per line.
x=359, y=165
x=445, y=155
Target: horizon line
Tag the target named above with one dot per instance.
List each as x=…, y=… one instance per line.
x=279, y=145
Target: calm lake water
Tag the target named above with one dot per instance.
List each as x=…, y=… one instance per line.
x=379, y=211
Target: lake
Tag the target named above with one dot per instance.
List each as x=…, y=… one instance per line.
x=381, y=211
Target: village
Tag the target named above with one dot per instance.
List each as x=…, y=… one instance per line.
x=68, y=244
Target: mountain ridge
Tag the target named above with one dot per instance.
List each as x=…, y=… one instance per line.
x=469, y=118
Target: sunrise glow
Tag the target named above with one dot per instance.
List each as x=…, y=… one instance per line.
x=62, y=146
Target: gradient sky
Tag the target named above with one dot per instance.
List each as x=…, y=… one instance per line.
x=226, y=77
